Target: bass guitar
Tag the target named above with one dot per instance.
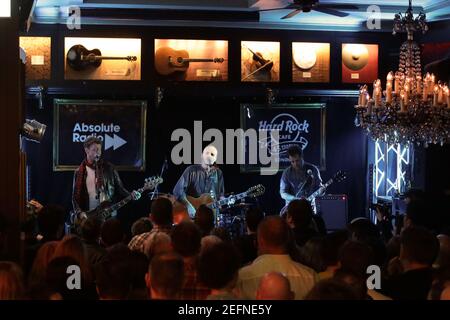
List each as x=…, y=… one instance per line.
x=337, y=177
x=79, y=58
x=106, y=209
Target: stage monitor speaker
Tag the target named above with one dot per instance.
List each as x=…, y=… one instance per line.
x=333, y=210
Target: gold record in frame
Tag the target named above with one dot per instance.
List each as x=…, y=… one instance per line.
x=304, y=56
x=355, y=56
x=310, y=62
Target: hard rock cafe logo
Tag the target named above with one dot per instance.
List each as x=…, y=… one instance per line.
x=291, y=132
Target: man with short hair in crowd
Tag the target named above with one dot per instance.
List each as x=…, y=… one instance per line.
x=273, y=240
x=274, y=286
x=90, y=235
x=246, y=244
x=411, y=278
x=161, y=217
x=186, y=241
x=165, y=276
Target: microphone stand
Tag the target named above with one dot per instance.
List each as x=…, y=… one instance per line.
x=156, y=191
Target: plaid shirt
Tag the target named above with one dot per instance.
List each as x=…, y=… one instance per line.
x=138, y=241
x=192, y=288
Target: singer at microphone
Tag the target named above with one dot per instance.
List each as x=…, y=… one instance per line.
x=96, y=181
x=300, y=179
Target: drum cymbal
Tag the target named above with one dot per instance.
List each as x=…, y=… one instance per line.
x=355, y=56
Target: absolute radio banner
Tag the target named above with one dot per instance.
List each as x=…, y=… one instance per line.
x=119, y=124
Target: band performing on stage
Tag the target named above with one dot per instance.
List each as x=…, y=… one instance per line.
x=98, y=189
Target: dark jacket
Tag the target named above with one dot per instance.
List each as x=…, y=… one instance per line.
x=112, y=185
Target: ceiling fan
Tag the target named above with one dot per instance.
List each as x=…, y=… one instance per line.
x=307, y=5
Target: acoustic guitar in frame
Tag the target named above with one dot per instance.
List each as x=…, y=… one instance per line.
x=79, y=58
x=169, y=61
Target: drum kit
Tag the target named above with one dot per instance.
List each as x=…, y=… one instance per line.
x=231, y=218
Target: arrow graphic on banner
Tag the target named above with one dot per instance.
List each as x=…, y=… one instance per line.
x=116, y=142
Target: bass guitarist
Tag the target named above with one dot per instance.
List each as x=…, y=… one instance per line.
x=96, y=181
x=199, y=179
x=300, y=179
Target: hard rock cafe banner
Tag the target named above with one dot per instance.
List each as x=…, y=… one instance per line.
x=298, y=124
x=119, y=124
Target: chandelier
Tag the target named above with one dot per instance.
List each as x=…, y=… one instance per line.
x=415, y=108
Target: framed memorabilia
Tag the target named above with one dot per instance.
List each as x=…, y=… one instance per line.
x=191, y=60
x=310, y=62
x=121, y=125
x=39, y=57
x=102, y=59
x=260, y=61
x=359, y=63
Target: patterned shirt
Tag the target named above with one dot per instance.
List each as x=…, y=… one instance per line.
x=192, y=288
x=138, y=241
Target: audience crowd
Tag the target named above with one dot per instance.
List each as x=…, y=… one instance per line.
x=279, y=258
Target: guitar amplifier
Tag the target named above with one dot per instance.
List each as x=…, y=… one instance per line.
x=333, y=210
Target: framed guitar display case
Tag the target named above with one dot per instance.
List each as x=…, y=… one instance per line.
x=191, y=60
x=102, y=59
x=260, y=61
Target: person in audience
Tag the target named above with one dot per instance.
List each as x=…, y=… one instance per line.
x=411, y=273
x=111, y=280
x=208, y=242
x=112, y=232
x=273, y=238
x=299, y=217
x=221, y=233
x=332, y=245
x=72, y=246
x=186, y=240
x=165, y=276
x=139, y=267
x=204, y=219
x=311, y=254
x=443, y=258
x=40, y=263
x=157, y=243
x=11, y=281
x=354, y=259
x=140, y=226
x=161, y=217
x=440, y=283
x=50, y=223
x=246, y=244
x=218, y=270
x=274, y=286
x=332, y=289
x=363, y=230
x=90, y=234
x=57, y=280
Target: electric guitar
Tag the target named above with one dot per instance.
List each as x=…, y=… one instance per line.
x=337, y=177
x=168, y=60
x=79, y=58
x=180, y=211
x=105, y=209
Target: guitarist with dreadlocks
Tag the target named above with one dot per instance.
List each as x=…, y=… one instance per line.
x=96, y=181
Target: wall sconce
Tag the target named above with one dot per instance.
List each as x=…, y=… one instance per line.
x=270, y=96
x=33, y=130
x=40, y=96
x=159, y=96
